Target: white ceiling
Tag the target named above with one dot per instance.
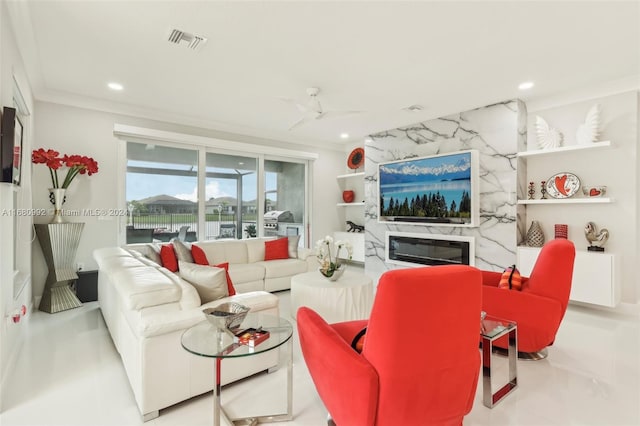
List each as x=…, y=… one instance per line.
x=376, y=57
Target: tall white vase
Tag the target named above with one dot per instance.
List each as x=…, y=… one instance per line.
x=57, y=198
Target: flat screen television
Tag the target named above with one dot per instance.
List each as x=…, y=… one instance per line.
x=440, y=190
x=10, y=146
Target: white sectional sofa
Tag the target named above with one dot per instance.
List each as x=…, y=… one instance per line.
x=248, y=269
x=147, y=308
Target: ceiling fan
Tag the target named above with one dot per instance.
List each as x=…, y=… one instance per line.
x=312, y=109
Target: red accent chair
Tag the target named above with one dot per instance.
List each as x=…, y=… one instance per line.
x=539, y=308
x=420, y=361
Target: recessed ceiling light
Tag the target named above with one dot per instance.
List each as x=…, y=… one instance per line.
x=240, y=163
x=115, y=86
x=344, y=135
x=526, y=85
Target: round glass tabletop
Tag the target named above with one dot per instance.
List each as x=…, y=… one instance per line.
x=204, y=339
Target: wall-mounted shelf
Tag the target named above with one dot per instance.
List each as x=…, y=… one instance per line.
x=562, y=149
x=350, y=204
x=350, y=175
x=591, y=200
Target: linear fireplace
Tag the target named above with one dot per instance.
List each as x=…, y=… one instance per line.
x=413, y=249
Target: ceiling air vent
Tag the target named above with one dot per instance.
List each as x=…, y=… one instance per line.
x=194, y=42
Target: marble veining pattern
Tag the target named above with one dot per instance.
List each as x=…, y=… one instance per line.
x=497, y=132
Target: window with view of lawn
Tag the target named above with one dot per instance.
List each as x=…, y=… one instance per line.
x=168, y=198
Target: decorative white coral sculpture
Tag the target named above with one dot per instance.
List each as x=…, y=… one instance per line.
x=547, y=137
x=588, y=131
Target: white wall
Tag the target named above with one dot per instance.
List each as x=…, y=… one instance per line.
x=73, y=130
x=11, y=335
x=617, y=168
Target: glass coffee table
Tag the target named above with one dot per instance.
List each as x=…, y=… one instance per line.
x=492, y=329
x=205, y=340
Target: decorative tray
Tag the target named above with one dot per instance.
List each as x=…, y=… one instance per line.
x=563, y=185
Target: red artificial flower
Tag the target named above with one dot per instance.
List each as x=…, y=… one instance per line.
x=90, y=166
x=48, y=157
x=77, y=164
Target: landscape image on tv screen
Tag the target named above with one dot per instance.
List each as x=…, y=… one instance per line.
x=437, y=189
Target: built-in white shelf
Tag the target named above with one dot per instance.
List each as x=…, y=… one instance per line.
x=357, y=242
x=595, y=275
x=352, y=212
x=590, y=200
x=350, y=175
x=350, y=204
x=571, y=148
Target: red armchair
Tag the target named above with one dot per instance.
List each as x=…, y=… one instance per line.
x=420, y=361
x=539, y=308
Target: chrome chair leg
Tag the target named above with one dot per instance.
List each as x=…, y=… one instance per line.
x=524, y=356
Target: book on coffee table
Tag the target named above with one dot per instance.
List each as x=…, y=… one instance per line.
x=251, y=336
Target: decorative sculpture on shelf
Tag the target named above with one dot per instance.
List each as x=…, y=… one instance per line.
x=543, y=189
x=548, y=138
x=354, y=228
x=588, y=131
x=348, y=196
x=532, y=190
x=561, y=230
x=535, y=236
x=596, y=239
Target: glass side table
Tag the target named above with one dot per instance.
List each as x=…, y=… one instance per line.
x=492, y=329
x=204, y=339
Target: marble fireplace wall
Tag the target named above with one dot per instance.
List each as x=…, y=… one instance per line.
x=498, y=132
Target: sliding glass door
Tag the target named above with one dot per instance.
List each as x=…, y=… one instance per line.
x=285, y=198
x=231, y=188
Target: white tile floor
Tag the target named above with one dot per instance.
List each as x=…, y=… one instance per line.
x=70, y=374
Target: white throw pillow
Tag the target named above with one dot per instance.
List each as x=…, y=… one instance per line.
x=209, y=281
x=293, y=246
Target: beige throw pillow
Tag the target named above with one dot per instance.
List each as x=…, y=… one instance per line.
x=183, y=251
x=209, y=281
x=153, y=253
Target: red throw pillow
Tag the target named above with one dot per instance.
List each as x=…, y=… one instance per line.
x=168, y=256
x=199, y=256
x=511, y=279
x=276, y=249
x=230, y=287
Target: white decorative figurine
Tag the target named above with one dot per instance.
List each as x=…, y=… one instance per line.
x=596, y=239
x=547, y=137
x=588, y=131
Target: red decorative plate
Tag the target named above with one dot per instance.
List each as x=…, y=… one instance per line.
x=356, y=158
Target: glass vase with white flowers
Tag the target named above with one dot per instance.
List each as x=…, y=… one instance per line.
x=332, y=265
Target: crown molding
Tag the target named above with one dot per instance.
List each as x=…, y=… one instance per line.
x=223, y=130
x=627, y=84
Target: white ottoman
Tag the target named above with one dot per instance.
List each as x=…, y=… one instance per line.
x=348, y=298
